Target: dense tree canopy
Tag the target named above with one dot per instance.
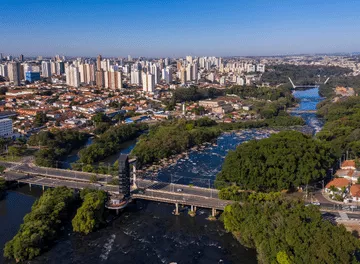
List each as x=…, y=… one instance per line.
x=341, y=130
x=282, y=161
x=194, y=93
x=284, y=232
x=300, y=74
x=40, y=119
x=56, y=144
x=109, y=142
x=41, y=225
x=91, y=213
x=327, y=89
x=172, y=138
x=260, y=93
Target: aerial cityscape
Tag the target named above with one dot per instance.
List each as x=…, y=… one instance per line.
x=179, y=132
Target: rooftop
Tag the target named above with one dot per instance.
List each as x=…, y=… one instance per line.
x=338, y=183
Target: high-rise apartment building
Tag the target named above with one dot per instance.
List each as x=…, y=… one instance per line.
x=114, y=80
x=155, y=71
x=148, y=82
x=189, y=59
x=195, y=71
x=14, y=72
x=4, y=70
x=46, y=69
x=100, y=82
x=167, y=74
x=189, y=72
x=53, y=67
x=135, y=77
x=183, y=75
x=98, y=63
x=72, y=76
x=21, y=58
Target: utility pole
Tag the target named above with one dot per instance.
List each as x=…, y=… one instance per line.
x=347, y=155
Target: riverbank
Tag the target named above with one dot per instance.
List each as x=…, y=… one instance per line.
x=152, y=169
x=143, y=231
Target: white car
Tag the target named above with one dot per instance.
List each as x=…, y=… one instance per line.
x=179, y=190
x=316, y=203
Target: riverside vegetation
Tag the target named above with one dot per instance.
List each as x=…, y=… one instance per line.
x=56, y=145
x=49, y=214
x=341, y=131
x=286, y=231
x=281, y=162
x=42, y=225
x=91, y=213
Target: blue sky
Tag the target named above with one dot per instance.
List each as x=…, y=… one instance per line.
x=175, y=28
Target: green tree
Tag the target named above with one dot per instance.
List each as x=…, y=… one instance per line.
x=41, y=225
x=40, y=119
x=283, y=161
x=16, y=150
x=287, y=231
x=100, y=118
x=91, y=213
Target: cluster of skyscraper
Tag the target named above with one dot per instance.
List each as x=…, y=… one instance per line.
x=106, y=73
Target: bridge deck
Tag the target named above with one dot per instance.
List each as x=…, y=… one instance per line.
x=153, y=190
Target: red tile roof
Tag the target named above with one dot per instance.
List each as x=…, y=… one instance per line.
x=348, y=163
x=355, y=190
x=338, y=183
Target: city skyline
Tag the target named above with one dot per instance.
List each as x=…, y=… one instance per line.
x=177, y=29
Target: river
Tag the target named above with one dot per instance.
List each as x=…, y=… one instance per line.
x=147, y=232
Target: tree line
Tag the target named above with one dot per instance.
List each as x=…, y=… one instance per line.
x=301, y=74
x=56, y=144
x=49, y=214
x=110, y=142
x=286, y=231
x=283, y=161
x=173, y=137
x=341, y=131
x=41, y=226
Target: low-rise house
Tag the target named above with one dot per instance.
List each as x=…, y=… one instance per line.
x=348, y=165
x=355, y=192
x=337, y=184
x=351, y=175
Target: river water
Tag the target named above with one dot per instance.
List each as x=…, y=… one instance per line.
x=147, y=232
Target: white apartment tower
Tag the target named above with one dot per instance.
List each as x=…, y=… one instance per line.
x=46, y=69
x=72, y=76
x=135, y=77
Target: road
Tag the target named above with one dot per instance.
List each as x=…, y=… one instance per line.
x=147, y=189
x=154, y=194
x=70, y=175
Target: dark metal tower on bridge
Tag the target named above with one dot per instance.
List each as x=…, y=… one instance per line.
x=124, y=176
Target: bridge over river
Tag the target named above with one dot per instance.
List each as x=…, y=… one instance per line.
x=296, y=111
x=146, y=189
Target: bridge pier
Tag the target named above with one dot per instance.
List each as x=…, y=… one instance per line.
x=213, y=212
x=177, y=209
x=29, y=186
x=43, y=188
x=134, y=177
